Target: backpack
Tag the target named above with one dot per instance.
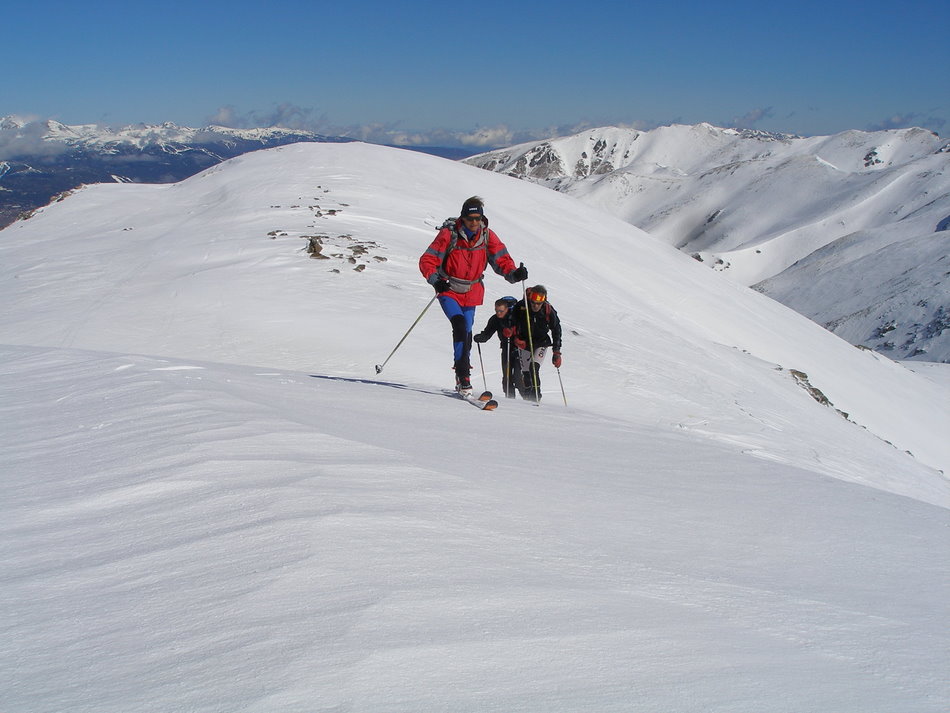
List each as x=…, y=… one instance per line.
x=450, y=224
x=457, y=285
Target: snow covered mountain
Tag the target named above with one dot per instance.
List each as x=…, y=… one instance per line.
x=168, y=135
x=850, y=229
x=212, y=502
x=42, y=159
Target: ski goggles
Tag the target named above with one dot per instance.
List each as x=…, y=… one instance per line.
x=537, y=297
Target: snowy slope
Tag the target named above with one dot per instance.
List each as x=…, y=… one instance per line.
x=212, y=502
x=898, y=296
x=180, y=535
x=215, y=267
x=753, y=205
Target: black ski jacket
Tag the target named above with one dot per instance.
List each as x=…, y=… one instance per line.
x=496, y=324
x=545, y=326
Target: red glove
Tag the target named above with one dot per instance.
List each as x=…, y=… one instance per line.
x=556, y=360
x=521, y=343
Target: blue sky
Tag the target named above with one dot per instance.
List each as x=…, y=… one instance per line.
x=431, y=72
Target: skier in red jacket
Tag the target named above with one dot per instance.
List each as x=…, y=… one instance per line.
x=454, y=265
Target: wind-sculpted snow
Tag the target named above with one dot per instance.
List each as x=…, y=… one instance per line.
x=212, y=502
x=188, y=535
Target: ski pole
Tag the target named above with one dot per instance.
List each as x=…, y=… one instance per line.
x=484, y=380
x=563, y=395
x=527, y=316
x=379, y=367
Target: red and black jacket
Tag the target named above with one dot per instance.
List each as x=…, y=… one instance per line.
x=461, y=260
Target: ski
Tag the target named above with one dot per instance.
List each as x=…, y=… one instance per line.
x=483, y=401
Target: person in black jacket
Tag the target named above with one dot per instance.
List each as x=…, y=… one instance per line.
x=545, y=333
x=502, y=324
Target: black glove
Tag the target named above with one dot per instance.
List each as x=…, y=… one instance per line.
x=480, y=338
x=441, y=285
x=519, y=274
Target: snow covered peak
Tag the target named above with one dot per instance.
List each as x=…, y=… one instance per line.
x=686, y=149
x=141, y=136
x=9, y=123
x=754, y=205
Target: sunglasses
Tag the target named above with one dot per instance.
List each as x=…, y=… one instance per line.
x=472, y=218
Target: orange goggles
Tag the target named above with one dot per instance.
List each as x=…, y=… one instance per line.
x=536, y=297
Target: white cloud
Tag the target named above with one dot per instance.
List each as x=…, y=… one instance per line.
x=285, y=115
x=25, y=137
x=752, y=117
x=908, y=120
x=291, y=116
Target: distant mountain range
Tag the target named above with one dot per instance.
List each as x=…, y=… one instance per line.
x=850, y=230
x=42, y=159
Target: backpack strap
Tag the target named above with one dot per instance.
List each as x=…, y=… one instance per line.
x=459, y=285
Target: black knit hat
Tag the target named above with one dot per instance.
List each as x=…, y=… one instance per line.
x=473, y=206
